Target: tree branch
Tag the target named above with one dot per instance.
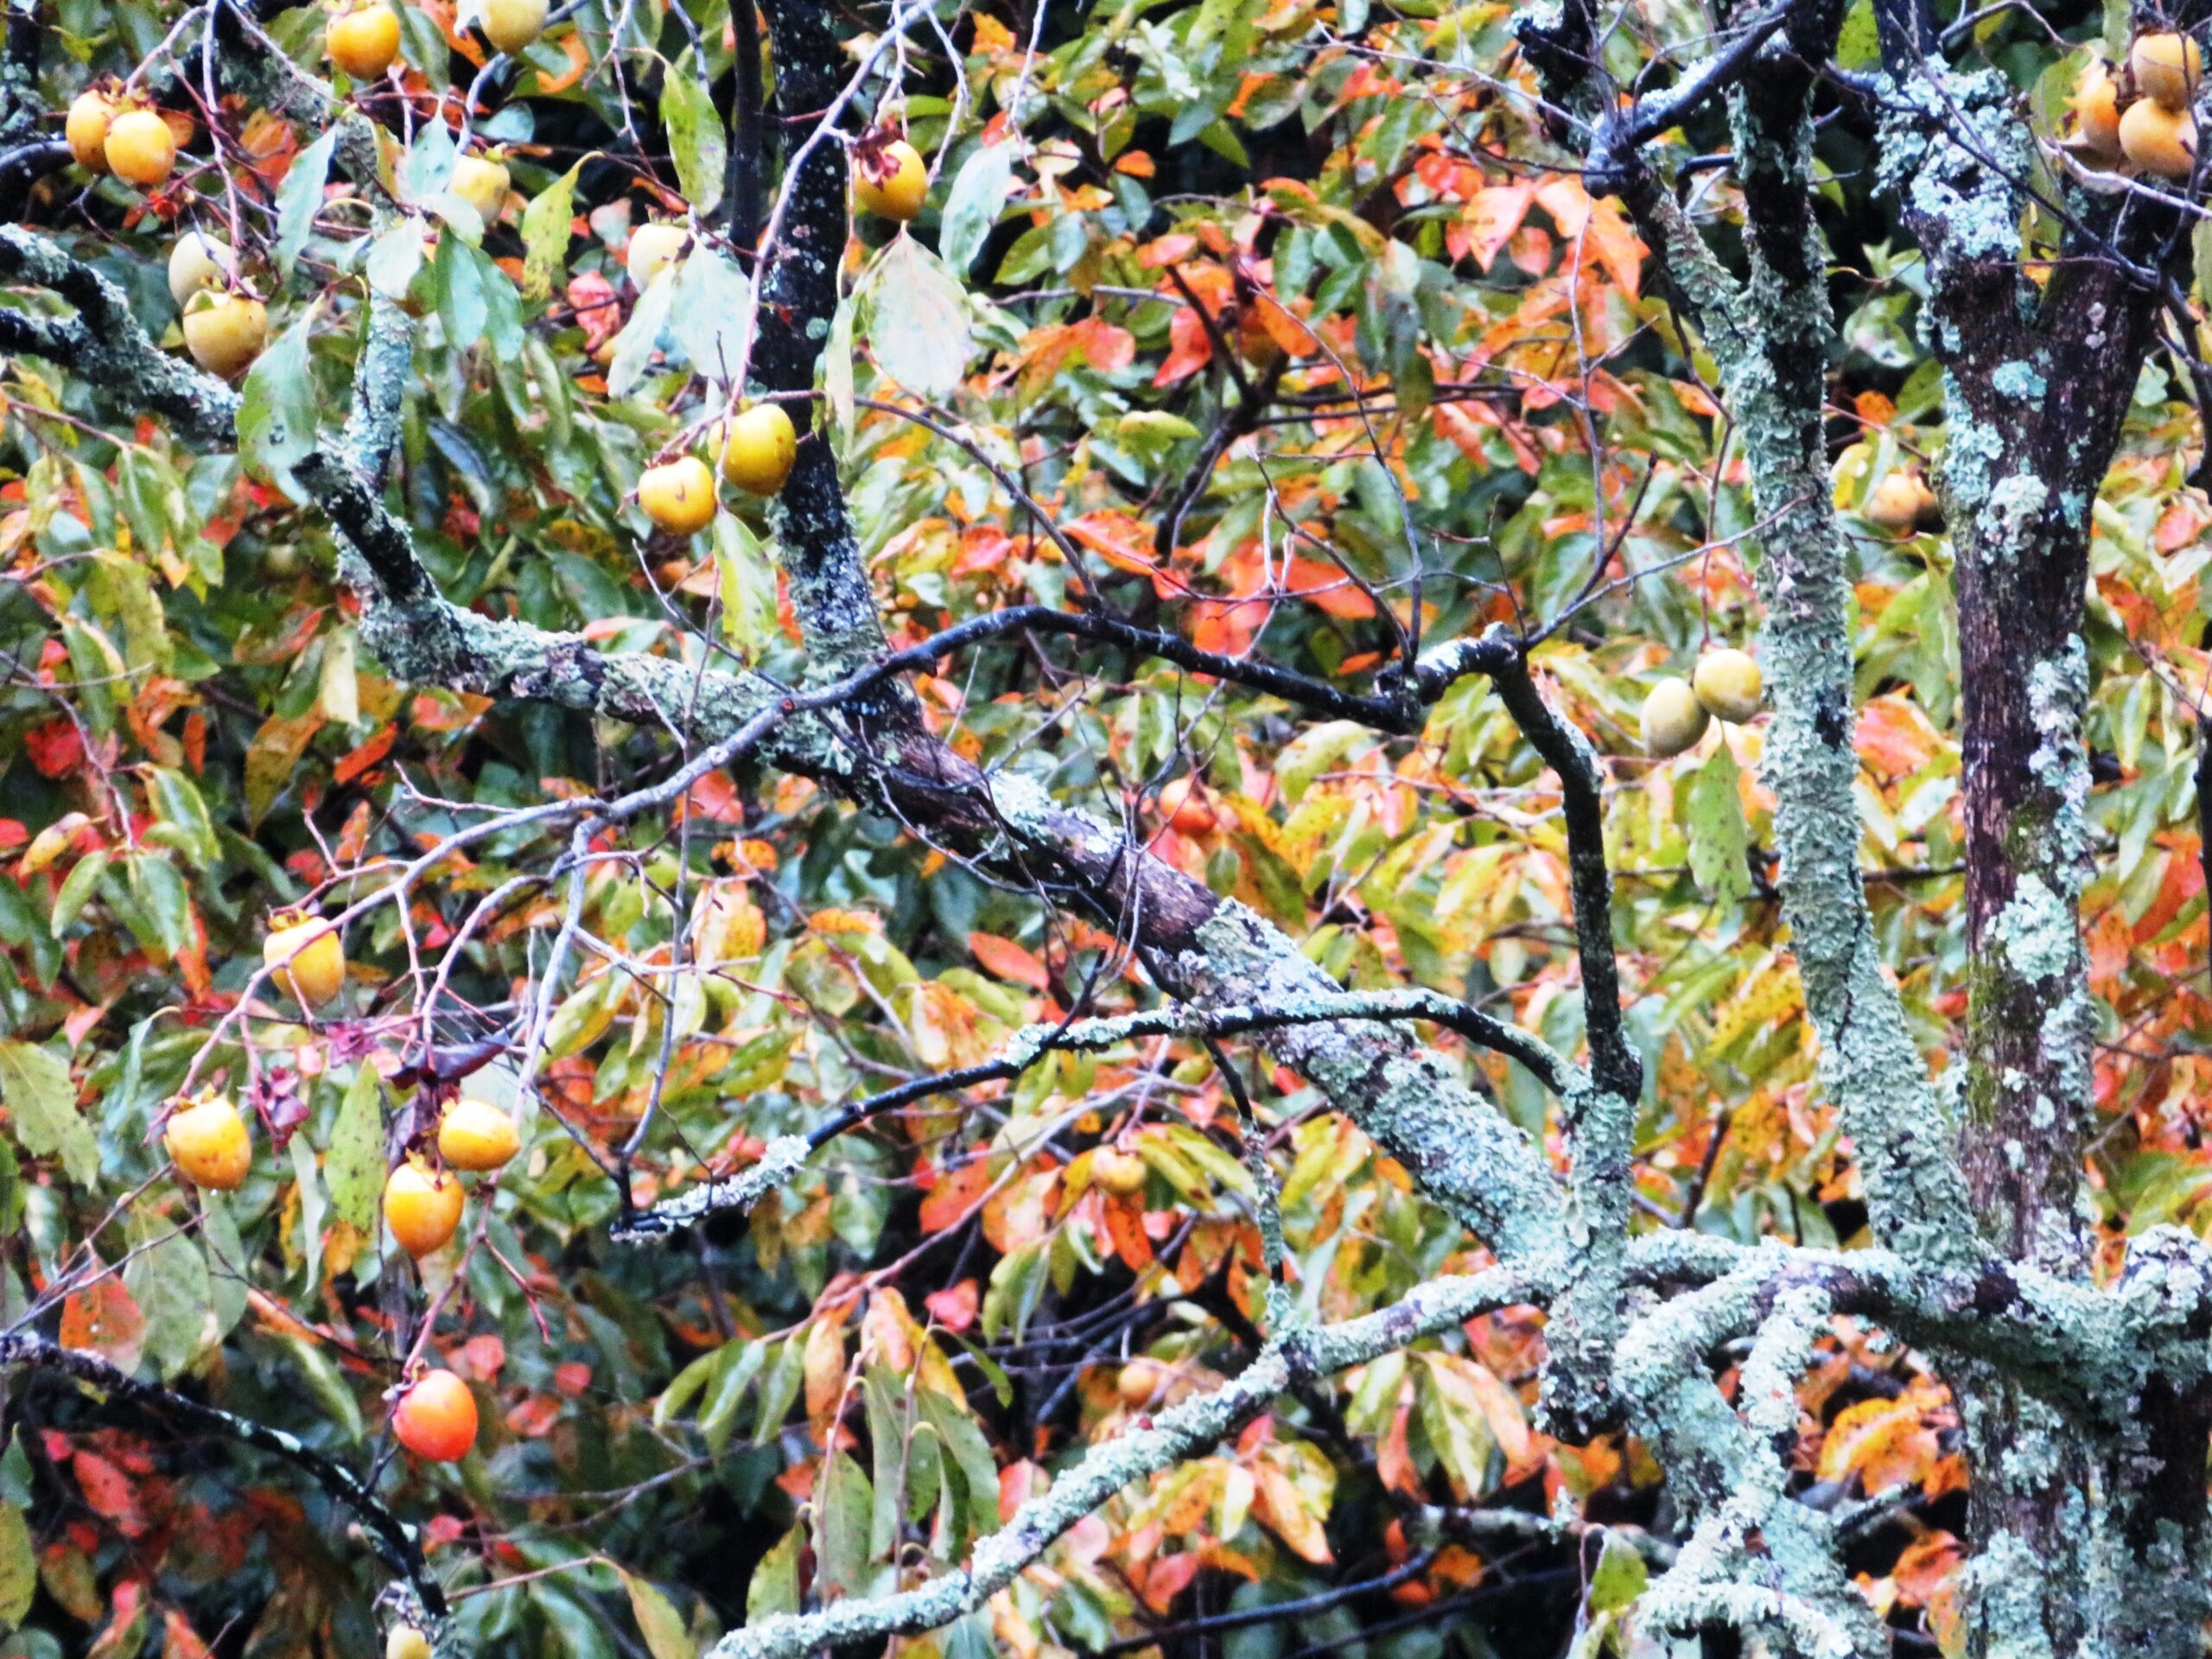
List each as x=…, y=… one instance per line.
x=394, y=1541
x=786, y=1154
x=1106, y=1468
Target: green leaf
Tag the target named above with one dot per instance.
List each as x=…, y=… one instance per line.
x=476, y=300
x=502, y=305
x=545, y=234
x=459, y=291
x=780, y=1388
x=686, y=1385
x=972, y=1638
x=314, y=1206
x=845, y=1503
x=972, y=1454
x=152, y=499
x=18, y=1567
x=658, y=1619
x=695, y=135
x=739, y=1363
x=918, y=326
x=774, y=1588
x=994, y=1373
x=168, y=1278
x=353, y=1166
x=276, y=408
x=641, y=336
x=160, y=891
x=313, y=1364
x=972, y=210
x=76, y=891
x=1719, y=836
x=882, y=1396
x=428, y=165
x=747, y=583
x=1456, y=1429
x=707, y=312
x=119, y=586
x=837, y=369
x=17, y=1476
x=13, y=1194
x=1859, y=46
x=41, y=1104
x=1620, y=1577
x=227, y=1262
x=178, y=802
x=300, y=199
x=396, y=254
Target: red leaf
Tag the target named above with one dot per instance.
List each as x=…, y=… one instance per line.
x=481, y=1358
x=954, y=1308
x=56, y=747
x=112, y=1493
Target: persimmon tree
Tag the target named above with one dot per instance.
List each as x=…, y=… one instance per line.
x=1255, y=827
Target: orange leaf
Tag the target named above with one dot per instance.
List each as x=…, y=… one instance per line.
x=955, y=1195
x=1117, y=538
x=103, y=1319
x=1189, y=348
x=1010, y=960
x=954, y=1308
x=1928, y=1567
x=1289, y=1512
x=1125, y=1226
x=1886, y=1442
x=367, y=755
x=179, y=1640
x=1394, y=1459
x=1493, y=216
x=1164, y=1580
x=1327, y=589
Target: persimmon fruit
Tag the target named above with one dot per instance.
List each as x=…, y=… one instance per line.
x=1674, y=718
x=477, y=1137
x=679, y=497
x=435, y=1419
x=305, y=958
x=207, y=1140
x=759, y=447
x=1728, y=684
x=894, y=183
x=422, y=1207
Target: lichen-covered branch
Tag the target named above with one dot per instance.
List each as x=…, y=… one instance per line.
x=1768, y=335
x=1106, y=1468
x=786, y=1154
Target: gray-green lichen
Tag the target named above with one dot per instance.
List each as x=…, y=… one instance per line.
x=2035, y=931
x=2020, y=381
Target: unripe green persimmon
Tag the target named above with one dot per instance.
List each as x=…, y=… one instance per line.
x=1674, y=718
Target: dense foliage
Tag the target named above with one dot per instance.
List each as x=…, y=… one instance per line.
x=1253, y=331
